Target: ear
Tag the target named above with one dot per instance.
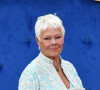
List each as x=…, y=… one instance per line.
x=38, y=42
x=63, y=40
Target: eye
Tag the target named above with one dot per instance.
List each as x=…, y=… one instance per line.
x=58, y=37
x=46, y=38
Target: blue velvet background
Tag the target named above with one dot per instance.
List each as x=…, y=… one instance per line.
x=81, y=19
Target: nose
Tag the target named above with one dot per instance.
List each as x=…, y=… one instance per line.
x=53, y=41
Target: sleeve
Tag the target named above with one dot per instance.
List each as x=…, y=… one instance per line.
x=28, y=81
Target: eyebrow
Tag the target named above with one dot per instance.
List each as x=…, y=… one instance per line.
x=47, y=36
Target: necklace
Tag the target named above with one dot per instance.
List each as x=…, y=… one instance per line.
x=59, y=65
x=58, y=68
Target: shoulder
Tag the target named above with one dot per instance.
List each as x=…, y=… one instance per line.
x=68, y=67
x=30, y=69
x=28, y=79
x=67, y=63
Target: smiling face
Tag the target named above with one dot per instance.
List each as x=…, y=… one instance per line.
x=51, y=42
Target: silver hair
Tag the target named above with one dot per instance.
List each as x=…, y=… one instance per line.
x=48, y=21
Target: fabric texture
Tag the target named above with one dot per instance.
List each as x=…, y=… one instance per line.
x=40, y=74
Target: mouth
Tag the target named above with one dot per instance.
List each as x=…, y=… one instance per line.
x=54, y=48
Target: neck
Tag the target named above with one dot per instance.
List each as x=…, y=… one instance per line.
x=56, y=62
x=55, y=59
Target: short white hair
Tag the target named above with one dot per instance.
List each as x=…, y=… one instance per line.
x=48, y=21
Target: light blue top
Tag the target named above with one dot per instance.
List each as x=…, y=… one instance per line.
x=40, y=74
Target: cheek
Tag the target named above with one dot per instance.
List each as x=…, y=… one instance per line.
x=44, y=45
x=60, y=43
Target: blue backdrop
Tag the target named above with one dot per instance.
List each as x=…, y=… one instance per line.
x=81, y=19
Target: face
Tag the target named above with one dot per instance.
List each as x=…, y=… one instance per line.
x=51, y=42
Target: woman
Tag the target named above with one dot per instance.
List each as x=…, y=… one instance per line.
x=48, y=71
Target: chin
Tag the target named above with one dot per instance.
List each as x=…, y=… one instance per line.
x=54, y=54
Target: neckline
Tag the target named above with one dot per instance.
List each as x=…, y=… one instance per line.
x=48, y=60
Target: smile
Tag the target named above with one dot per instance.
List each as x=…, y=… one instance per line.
x=54, y=48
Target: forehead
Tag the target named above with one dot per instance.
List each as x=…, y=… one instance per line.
x=51, y=32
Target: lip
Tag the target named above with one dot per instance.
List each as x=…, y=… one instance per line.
x=54, y=48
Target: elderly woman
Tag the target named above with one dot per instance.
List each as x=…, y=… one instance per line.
x=48, y=71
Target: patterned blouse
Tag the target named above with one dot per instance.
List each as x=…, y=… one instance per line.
x=40, y=74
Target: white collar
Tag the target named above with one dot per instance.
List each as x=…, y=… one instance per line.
x=46, y=59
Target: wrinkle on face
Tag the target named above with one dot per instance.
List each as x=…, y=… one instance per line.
x=51, y=42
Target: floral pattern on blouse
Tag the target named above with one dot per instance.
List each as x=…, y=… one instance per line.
x=40, y=74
